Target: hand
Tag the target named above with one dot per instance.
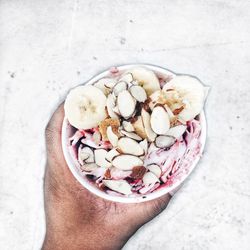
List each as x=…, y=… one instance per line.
x=78, y=219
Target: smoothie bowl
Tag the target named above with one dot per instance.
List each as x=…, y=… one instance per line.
x=135, y=132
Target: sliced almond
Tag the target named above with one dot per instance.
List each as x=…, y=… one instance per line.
x=102, y=83
x=151, y=135
x=130, y=146
x=138, y=93
x=90, y=142
x=118, y=174
x=119, y=87
x=152, y=147
x=110, y=106
x=135, y=82
x=97, y=137
x=180, y=120
x=116, y=111
x=177, y=131
x=120, y=186
x=142, y=157
x=164, y=141
x=155, y=169
x=128, y=78
x=150, y=178
x=111, y=154
x=128, y=126
x=126, y=104
x=139, y=128
x=169, y=111
x=98, y=172
x=88, y=167
x=145, y=78
x=110, y=83
x=85, y=154
x=144, y=145
x=126, y=162
x=159, y=121
x=112, y=137
x=131, y=135
x=172, y=118
x=82, y=158
x=100, y=158
x=91, y=157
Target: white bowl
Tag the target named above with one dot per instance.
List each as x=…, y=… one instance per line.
x=67, y=132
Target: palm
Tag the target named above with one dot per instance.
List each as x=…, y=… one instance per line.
x=63, y=185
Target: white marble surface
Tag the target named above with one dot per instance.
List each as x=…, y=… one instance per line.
x=47, y=47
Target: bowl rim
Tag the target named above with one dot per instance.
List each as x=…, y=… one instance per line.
x=147, y=197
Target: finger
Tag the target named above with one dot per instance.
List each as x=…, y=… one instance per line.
x=56, y=167
x=146, y=211
x=54, y=129
x=162, y=202
x=158, y=205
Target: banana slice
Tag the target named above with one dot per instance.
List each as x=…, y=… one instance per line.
x=191, y=92
x=146, y=78
x=85, y=107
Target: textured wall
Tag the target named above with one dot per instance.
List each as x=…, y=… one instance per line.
x=47, y=47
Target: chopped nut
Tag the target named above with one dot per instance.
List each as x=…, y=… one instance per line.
x=138, y=172
x=178, y=110
x=107, y=174
x=146, y=104
x=114, y=123
x=126, y=161
x=139, y=128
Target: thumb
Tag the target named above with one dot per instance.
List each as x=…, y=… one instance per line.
x=53, y=131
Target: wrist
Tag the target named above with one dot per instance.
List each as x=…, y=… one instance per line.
x=85, y=239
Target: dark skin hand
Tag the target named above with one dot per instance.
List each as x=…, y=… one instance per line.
x=78, y=219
